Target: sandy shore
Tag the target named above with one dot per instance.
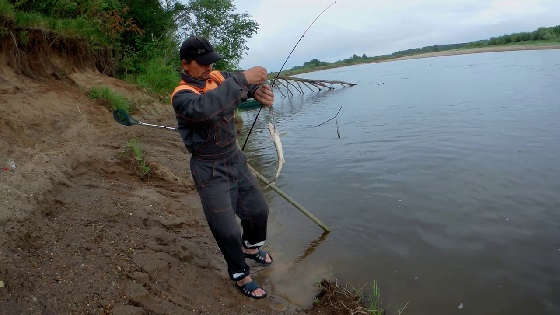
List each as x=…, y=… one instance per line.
x=476, y=51
x=81, y=232
x=444, y=53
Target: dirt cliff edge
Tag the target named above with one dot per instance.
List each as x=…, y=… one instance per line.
x=80, y=232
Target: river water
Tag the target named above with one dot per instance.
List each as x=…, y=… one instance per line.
x=444, y=186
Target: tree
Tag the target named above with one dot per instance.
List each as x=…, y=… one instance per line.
x=312, y=63
x=217, y=20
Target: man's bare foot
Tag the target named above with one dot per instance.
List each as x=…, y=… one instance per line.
x=252, y=251
x=259, y=292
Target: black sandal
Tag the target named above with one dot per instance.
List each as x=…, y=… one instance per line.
x=260, y=257
x=248, y=288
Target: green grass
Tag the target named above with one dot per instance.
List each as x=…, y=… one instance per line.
x=535, y=43
x=71, y=28
x=156, y=75
x=142, y=168
x=75, y=28
x=23, y=37
x=375, y=302
x=151, y=64
x=6, y=9
x=110, y=99
x=375, y=306
x=337, y=64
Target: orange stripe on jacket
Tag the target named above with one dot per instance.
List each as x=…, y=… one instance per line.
x=216, y=78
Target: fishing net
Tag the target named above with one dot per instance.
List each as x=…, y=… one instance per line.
x=122, y=117
x=249, y=104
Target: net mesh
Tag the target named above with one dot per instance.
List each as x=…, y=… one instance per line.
x=122, y=117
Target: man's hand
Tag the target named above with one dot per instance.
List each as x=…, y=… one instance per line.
x=255, y=75
x=264, y=95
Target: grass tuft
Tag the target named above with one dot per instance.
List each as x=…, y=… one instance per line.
x=72, y=28
x=339, y=298
x=375, y=302
x=142, y=168
x=110, y=99
x=6, y=9
x=158, y=76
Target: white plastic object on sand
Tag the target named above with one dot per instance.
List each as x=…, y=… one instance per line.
x=12, y=164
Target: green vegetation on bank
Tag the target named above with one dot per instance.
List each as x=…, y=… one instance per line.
x=542, y=36
x=6, y=9
x=142, y=168
x=71, y=28
x=67, y=19
x=110, y=99
x=143, y=35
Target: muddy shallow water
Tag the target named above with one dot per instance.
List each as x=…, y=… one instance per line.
x=444, y=186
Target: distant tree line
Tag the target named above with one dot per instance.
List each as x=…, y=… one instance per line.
x=543, y=34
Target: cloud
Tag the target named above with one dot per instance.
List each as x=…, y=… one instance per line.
x=379, y=27
x=500, y=11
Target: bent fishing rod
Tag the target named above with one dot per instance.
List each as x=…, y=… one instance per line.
x=282, y=68
x=122, y=117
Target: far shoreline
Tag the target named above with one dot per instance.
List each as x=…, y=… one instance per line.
x=468, y=51
x=452, y=52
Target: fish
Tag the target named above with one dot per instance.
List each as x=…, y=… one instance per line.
x=279, y=150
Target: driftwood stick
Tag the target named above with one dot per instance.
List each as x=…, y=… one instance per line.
x=280, y=90
x=288, y=88
x=281, y=86
x=300, y=88
x=314, y=81
x=295, y=87
x=337, y=129
x=290, y=200
x=307, y=86
x=339, y=109
x=321, y=84
x=285, y=82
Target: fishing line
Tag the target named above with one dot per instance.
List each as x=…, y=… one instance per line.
x=282, y=68
x=334, y=117
x=337, y=128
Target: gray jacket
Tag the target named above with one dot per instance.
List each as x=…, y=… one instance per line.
x=205, y=121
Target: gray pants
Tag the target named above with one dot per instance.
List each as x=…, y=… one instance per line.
x=227, y=188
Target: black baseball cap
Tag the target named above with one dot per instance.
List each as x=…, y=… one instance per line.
x=199, y=49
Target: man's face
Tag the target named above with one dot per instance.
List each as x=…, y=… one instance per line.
x=196, y=70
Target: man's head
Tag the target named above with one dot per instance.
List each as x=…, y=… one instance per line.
x=197, y=56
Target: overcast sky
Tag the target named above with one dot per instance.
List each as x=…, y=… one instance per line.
x=378, y=27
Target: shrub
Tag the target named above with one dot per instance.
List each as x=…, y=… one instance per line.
x=158, y=76
x=6, y=9
x=110, y=99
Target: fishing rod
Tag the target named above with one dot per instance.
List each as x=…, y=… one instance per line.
x=122, y=117
x=282, y=68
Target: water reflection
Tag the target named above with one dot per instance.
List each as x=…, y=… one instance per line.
x=259, y=148
x=313, y=245
x=443, y=188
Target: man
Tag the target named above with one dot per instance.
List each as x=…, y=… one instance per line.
x=204, y=104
